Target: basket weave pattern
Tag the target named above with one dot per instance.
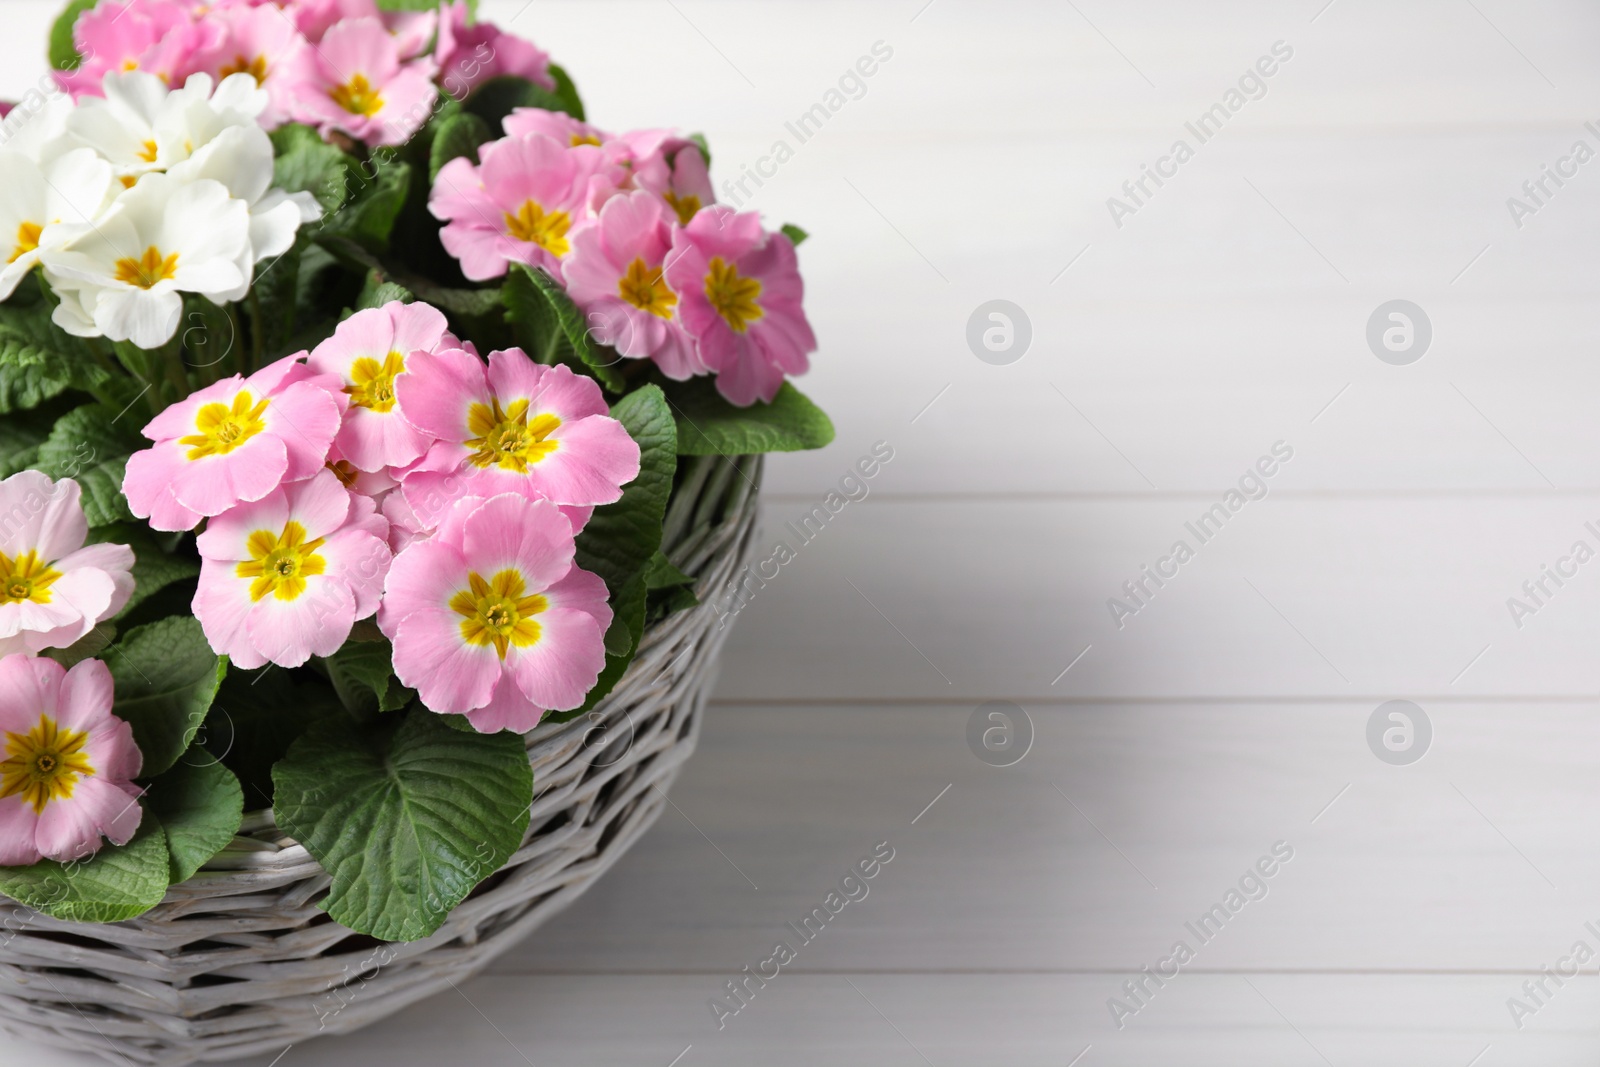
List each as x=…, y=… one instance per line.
x=239, y=960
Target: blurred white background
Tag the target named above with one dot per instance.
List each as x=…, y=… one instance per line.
x=1225, y=316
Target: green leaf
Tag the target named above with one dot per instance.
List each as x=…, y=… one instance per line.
x=113, y=885
x=63, y=49
x=471, y=303
x=496, y=98
x=256, y=716
x=274, y=289
x=208, y=337
x=304, y=163
x=663, y=574
x=20, y=438
x=165, y=677
x=669, y=589
x=154, y=568
x=794, y=233
x=90, y=644
x=621, y=541
x=459, y=135
x=27, y=385
x=551, y=329
x=710, y=426
x=567, y=92
x=38, y=359
x=407, y=818
x=362, y=673
x=377, y=292
x=422, y=5
x=200, y=806
x=91, y=445
x=368, y=216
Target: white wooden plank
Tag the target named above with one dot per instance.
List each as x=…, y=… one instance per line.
x=1006, y=1020
x=970, y=601
x=1044, y=67
x=1119, y=826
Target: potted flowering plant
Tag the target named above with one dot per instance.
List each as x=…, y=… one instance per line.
x=345, y=372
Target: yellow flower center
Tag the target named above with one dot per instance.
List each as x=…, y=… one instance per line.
x=44, y=764
x=255, y=67
x=504, y=438
x=357, y=96
x=148, y=269
x=27, y=240
x=584, y=138
x=496, y=612
x=733, y=297
x=223, y=428
x=643, y=288
x=281, y=563
x=27, y=577
x=685, y=206
x=148, y=152
x=372, y=383
x=533, y=224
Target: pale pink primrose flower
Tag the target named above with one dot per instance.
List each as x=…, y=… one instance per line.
x=490, y=617
x=616, y=275
x=286, y=577
x=313, y=18
x=354, y=81
x=413, y=31
x=66, y=763
x=674, y=169
x=740, y=293
x=123, y=36
x=559, y=126
x=233, y=442
x=368, y=352
x=374, y=484
x=405, y=527
x=512, y=427
x=471, y=54
x=258, y=41
x=53, y=587
x=521, y=205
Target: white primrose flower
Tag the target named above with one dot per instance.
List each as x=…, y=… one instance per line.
x=240, y=158
x=39, y=130
x=141, y=126
x=43, y=206
x=122, y=276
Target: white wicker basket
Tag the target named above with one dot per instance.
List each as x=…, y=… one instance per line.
x=240, y=961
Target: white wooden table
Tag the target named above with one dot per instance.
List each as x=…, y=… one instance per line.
x=1227, y=313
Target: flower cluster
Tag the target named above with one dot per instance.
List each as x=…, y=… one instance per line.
x=627, y=223
x=277, y=234
x=130, y=199
x=393, y=436
x=340, y=65
x=66, y=763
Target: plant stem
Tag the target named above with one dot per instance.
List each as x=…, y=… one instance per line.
x=240, y=361
x=172, y=356
x=257, y=331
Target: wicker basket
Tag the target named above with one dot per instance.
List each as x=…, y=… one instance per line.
x=240, y=961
